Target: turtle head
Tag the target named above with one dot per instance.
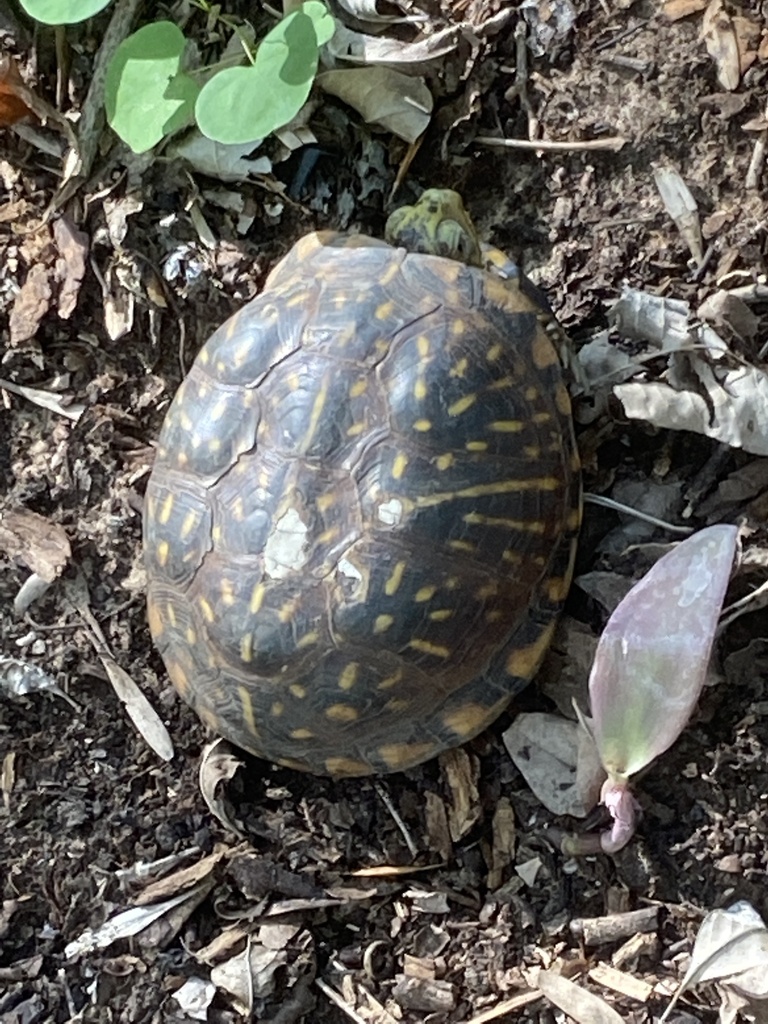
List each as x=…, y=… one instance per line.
x=438, y=225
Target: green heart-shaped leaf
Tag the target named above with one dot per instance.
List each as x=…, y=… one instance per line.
x=147, y=95
x=245, y=104
x=62, y=12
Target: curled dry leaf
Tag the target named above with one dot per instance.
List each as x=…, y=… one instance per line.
x=122, y=926
x=356, y=48
x=14, y=94
x=661, y=322
x=732, y=405
x=368, y=10
x=681, y=207
x=217, y=765
x=397, y=102
x=249, y=975
x=70, y=265
x=217, y=160
x=31, y=304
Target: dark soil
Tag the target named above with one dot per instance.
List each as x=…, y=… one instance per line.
x=450, y=932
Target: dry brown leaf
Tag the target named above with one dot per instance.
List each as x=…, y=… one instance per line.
x=460, y=771
x=31, y=304
x=14, y=94
x=36, y=542
x=577, y=1002
x=503, y=849
x=676, y=9
x=400, y=103
x=182, y=879
x=70, y=265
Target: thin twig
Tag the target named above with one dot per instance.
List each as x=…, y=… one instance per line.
x=617, y=506
x=387, y=800
x=339, y=1001
x=613, y=143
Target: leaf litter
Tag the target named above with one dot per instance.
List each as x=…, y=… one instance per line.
x=94, y=360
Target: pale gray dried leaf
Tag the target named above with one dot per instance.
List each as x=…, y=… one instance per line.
x=549, y=21
x=558, y=760
x=248, y=975
x=580, y=1005
x=719, y=35
x=18, y=678
x=70, y=265
x=46, y=400
x=36, y=542
x=397, y=102
x=195, y=997
x=735, y=410
x=723, y=309
x=122, y=926
x=367, y=10
x=140, y=711
x=357, y=48
x=661, y=322
x=32, y=589
x=216, y=160
x=730, y=942
x=681, y=207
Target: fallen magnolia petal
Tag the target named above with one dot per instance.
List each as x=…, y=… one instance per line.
x=652, y=658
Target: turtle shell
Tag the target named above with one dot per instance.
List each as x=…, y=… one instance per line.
x=361, y=522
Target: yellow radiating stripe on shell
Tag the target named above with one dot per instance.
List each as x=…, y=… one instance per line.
x=506, y=426
x=422, y=426
x=343, y=766
x=394, y=581
x=163, y=550
x=461, y=405
x=190, y=521
x=425, y=594
x=401, y=755
x=540, y=483
x=398, y=466
x=382, y=623
x=420, y=389
x=524, y=662
x=425, y=647
x=246, y=647
x=247, y=710
x=523, y=525
x=314, y=419
x=257, y=596
x=341, y=713
x=348, y=676
x=166, y=509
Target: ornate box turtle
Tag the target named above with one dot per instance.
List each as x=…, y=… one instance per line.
x=361, y=522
